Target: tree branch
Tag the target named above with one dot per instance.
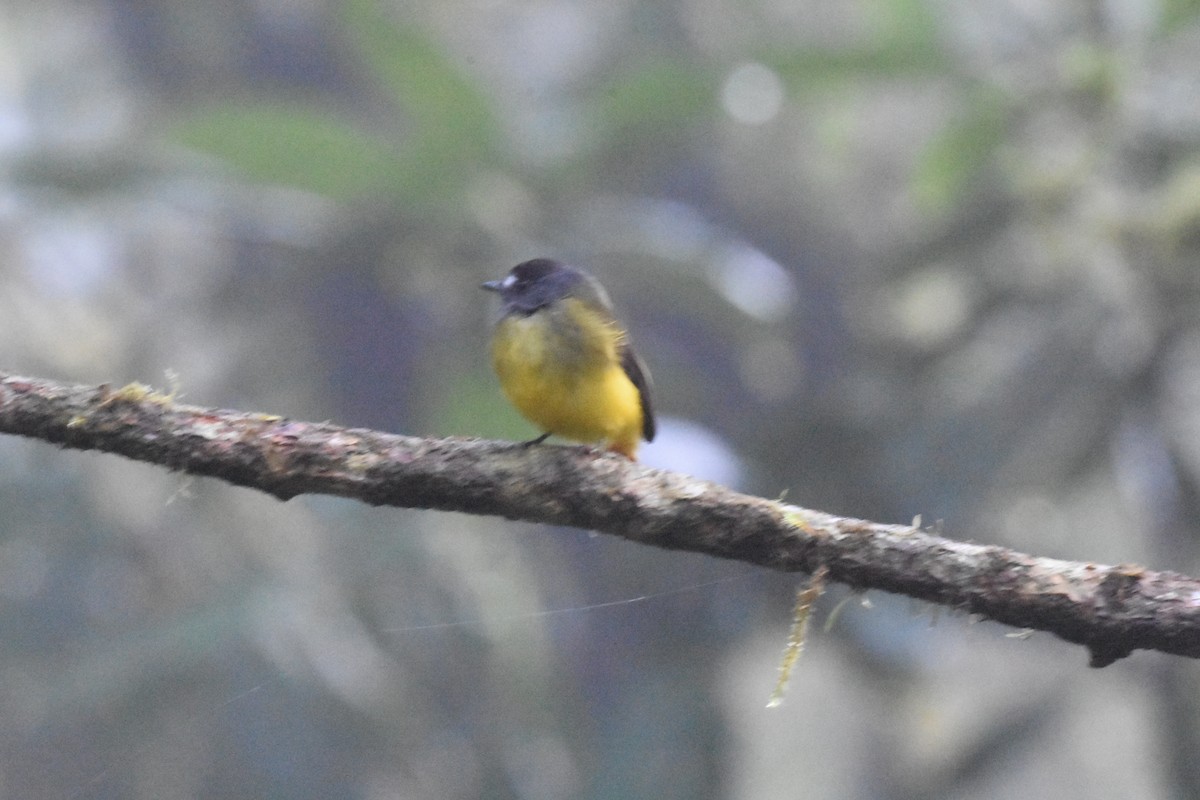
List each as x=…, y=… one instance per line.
x=1110, y=610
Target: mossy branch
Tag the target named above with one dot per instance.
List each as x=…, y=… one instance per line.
x=1111, y=610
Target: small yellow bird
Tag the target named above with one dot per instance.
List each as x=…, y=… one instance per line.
x=565, y=362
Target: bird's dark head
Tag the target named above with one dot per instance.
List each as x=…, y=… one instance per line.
x=535, y=284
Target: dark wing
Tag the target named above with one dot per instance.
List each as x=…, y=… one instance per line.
x=640, y=375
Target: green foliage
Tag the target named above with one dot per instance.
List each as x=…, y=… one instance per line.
x=1176, y=14
x=816, y=68
x=663, y=92
x=479, y=409
x=448, y=124
x=1094, y=70
x=294, y=145
x=1176, y=222
x=444, y=132
x=957, y=155
x=905, y=43
x=906, y=24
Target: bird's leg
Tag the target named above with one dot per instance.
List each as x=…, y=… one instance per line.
x=538, y=440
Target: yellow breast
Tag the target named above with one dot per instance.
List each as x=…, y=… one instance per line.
x=559, y=367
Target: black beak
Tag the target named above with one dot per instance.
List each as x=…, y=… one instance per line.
x=491, y=286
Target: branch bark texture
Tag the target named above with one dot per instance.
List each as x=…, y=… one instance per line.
x=1111, y=610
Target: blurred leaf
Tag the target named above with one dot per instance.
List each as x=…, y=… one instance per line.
x=1176, y=14
x=1176, y=220
x=654, y=104
x=1096, y=70
x=658, y=93
x=819, y=67
x=294, y=146
x=905, y=43
x=906, y=24
x=956, y=155
x=449, y=132
x=450, y=126
x=479, y=409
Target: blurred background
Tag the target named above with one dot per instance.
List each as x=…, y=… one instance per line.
x=889, y=257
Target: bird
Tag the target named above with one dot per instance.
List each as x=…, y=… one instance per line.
x=565, y=361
